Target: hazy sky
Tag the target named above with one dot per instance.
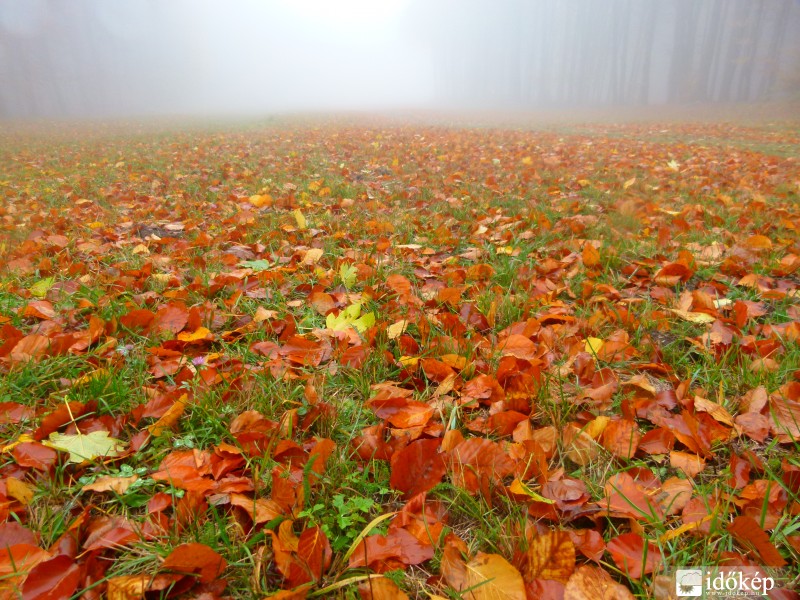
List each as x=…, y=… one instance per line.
x=100, y=58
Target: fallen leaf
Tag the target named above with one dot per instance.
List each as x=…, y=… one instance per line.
x=195, y=559
x=107, y=483
x=492, y=577
x=593, y=583
x=633, y=555
x=85, y=447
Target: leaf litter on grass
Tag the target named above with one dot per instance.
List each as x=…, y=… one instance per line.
x=416, y=361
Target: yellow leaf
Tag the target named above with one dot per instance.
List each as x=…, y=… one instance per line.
x=593, y=345
x=169, y=418
x=673, y=165
x=41, y=287
x=693, y=317
x=201, y=333
x=492, y=577
x=259, y=200
x=312, y=256
x=395, y=330
x=520, y=488
x=91, y=376
x=347, y=273
x=629, y=183
x=409, y=361
x=527, y=161
x=25, y=437
x=128, y=587
x=348, y=318
x=301, y=220
x=83, y=447
x=19, y=490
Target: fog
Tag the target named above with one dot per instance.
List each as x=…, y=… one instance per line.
x=120, y=58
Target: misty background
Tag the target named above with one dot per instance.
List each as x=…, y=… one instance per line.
x=108, y=58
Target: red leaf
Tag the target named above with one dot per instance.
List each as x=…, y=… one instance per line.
x=34, y=455
x=633, y=555
x=313, y=557
x=478, y=458
x=12, y=533
x=417, y=467
x=749, y=533
x=171, y=318
x=14, y=412
x=381, y=552
x=53, y=579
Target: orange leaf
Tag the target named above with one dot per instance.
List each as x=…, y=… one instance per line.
x=381, y=588
x=550, y=556
x=747, y=532
x=169, y=418
x=621, y=438
x=195, y=559
x=690, y=464
x=519, y=346
x=261, y=510
x=590, y=256
x=634, y=555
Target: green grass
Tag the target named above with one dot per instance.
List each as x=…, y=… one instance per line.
x=527, y=218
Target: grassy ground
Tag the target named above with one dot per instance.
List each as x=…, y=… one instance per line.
x=468, y=360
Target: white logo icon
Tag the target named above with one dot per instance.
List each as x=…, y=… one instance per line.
x=689, y=582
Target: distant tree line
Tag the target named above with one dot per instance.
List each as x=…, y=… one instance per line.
x=617, y=52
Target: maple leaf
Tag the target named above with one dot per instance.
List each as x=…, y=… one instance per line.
x=41, y=287
x=257, y=265
x=347, y=273
x=84, y=447
x=350, y=317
